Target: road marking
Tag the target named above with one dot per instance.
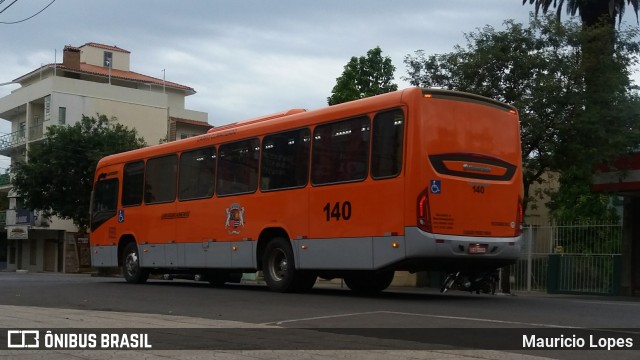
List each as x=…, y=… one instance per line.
x=423, y=315
x=482, y=320
x=616, y=303
x=323, y=317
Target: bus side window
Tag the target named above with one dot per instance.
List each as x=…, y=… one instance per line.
x=197, y=174
x=340, y=151
x=132, y=183
x=386, y=150
x=285, y=160
x=160, y=179
x=238, y=167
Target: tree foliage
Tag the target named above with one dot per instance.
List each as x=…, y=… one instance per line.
x=363, y=77
x=539, y=70
x=591, y=12
x=58, y=177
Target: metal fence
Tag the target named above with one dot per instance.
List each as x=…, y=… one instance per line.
x=570, y=258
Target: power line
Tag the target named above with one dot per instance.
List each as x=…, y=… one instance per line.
x=23, y=20
x=8, y=6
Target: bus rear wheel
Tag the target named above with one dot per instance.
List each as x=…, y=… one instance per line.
x=131, y=269
x=369, y=281
x=278, y=267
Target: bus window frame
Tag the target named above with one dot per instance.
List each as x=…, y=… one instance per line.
x=175, y=187
x=93, y=224
x=368, y=157
x=215, y=174
x=402, y=147
x=257, y=187
x=308, y=175
x=144, y=167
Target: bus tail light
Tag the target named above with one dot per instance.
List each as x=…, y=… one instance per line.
x=423, y=213
x=519, y=217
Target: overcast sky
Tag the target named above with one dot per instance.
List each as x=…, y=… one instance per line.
x=245, y=58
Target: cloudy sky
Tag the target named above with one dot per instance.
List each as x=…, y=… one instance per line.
x=245, y=58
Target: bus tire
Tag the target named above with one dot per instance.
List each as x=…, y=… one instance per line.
x=278, y=267
x=131, y=269
x=369, y=282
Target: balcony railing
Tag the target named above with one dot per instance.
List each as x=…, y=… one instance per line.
x=10, y=140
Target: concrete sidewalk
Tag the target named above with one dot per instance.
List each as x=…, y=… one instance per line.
x=22, y=317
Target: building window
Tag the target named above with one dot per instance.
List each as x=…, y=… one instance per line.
x=108, y=59
x=285, y=160
x=22, y=131
x=62, y=115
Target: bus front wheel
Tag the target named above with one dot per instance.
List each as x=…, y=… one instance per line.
x=278, y=267
x=131, y=269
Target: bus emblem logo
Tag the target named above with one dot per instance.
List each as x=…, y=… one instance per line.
x=235, y=218
x=435, y=187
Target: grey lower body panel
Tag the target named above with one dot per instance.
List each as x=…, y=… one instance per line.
x=416, y=250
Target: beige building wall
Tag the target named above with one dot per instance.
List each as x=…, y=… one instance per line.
x=95, y=56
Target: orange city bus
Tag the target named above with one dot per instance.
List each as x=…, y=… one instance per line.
x=418, y=179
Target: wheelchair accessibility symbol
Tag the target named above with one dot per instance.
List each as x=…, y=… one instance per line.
x=120, y=216
x=435, y=187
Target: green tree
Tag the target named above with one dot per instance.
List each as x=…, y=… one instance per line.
x=58, y=177
x=591, y=12
x=538, y=70
x=598, y=18
x=363, y=77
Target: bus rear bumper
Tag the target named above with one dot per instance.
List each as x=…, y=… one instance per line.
x=420, y=244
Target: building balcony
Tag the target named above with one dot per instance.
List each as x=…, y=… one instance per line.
x=12, y=140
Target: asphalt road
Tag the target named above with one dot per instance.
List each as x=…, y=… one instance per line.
x=330, y=308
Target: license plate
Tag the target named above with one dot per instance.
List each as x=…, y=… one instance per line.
x=477, y=249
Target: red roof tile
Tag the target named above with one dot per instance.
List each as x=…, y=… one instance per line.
x=115, y=74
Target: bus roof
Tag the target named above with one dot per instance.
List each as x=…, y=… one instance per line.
x=294, y=118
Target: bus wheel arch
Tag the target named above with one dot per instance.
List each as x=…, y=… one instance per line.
x=276, y=259
x=266, y=236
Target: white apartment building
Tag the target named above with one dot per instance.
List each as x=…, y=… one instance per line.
x=92, y=79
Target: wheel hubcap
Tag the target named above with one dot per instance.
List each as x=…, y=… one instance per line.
x=278, y=265
x=131, y=263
